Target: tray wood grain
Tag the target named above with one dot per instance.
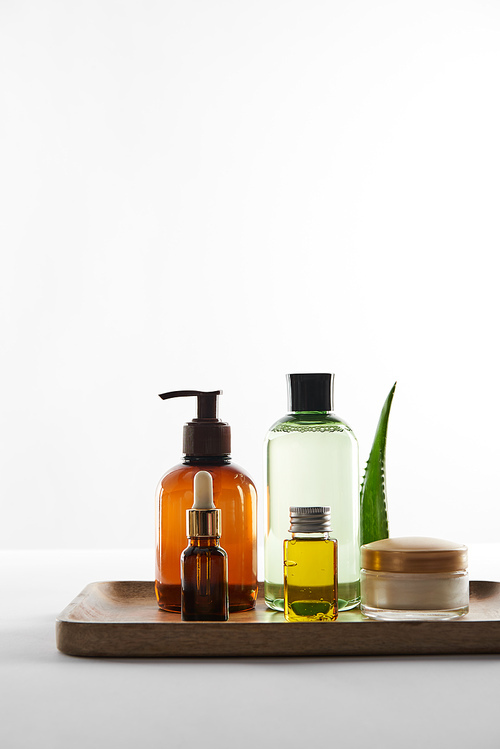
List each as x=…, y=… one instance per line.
x=121, y=619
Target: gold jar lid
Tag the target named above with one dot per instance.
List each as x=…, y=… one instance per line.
x=413, y=554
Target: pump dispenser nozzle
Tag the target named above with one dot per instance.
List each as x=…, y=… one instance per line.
x=205, y=435
x=203, y=519
x=207, y=401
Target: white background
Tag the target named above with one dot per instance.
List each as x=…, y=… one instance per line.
x=213, y=194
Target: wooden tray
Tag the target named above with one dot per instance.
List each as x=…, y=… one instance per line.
x=121, y=619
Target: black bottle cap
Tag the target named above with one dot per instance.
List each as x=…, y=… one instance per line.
x=205, y=435
x=310, y=392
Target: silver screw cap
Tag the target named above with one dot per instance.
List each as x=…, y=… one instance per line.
x=310, y=519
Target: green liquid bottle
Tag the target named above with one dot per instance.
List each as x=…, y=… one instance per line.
x=312, y=458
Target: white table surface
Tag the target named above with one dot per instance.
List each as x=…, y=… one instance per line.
x=52, y=700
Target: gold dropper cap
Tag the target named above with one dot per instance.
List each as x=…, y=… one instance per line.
x=201, y=523
x=203, y=519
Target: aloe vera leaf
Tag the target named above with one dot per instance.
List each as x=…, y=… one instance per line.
x=374, y=524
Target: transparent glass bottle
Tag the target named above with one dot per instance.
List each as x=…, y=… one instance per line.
x=312, y=454
x=310, y=567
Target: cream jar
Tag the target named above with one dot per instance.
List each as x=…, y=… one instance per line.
x=414, y=578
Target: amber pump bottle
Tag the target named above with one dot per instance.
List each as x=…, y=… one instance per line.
x=207, y=447
x=204, y=594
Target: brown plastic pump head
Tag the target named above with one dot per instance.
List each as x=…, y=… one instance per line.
x=205, y=435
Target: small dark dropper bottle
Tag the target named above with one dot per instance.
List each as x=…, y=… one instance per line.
x=204, y=588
